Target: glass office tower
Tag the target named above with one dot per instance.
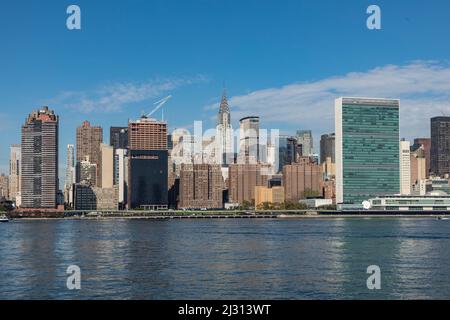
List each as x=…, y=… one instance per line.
x=367, y=149
x=148, y=179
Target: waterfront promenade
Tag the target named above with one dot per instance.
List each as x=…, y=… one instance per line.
x=221, y=214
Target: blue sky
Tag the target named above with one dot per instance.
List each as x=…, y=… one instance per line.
x=283, y=60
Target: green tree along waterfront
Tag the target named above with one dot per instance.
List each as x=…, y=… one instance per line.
x=288, y=205
x=308, y=193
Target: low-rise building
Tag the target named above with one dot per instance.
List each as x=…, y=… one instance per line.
x=274, y=195
x=431, y=202
x=316, y=203
x=434, y=184
x=87, y=197
x=329, y=190
x=84, y=197
x=4, y=187
x=107, y=198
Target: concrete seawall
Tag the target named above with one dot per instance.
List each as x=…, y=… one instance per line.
x=224, y=214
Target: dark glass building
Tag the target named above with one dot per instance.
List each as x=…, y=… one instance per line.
x=118, y=137
x=148, y=182
x=288, y=151
x=84, y=197
x=148, y=166
x=440, y=146
x=327, y=143
x=169, y=142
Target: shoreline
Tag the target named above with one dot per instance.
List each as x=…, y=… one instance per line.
x=279, y=217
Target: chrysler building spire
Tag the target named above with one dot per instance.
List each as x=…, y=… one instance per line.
x=224, y=110
x=224, y=132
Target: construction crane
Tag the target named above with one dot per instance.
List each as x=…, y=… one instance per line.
x=159, y=104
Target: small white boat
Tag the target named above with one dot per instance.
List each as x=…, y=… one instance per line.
x=4, y=218
x=443, y=218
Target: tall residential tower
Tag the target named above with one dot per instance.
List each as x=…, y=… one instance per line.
x=89, y=139
x=14, y=173
x=70, y=167
x=249, y=140
x=405, y=168
x=39, y=180
x=440, y=146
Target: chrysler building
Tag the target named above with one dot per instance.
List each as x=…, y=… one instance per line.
x=224, y=134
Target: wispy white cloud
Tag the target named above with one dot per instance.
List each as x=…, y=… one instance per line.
x=422, y=86
x=115, y=96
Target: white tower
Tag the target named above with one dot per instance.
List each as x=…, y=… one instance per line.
x=405, y=168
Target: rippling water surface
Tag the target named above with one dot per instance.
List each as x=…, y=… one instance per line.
x=225, y=259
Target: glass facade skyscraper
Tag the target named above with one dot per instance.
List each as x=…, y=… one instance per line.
x=148, y=179
x=287, y=151
x=148, y=164
x=118, y=137
x=367, y=149
x=327, y=144
x=305, y=139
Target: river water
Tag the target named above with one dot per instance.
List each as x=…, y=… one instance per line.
x=226, y=259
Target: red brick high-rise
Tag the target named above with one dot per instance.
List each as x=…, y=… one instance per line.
x=300, y=177
x=201, y=186
x=243, y=178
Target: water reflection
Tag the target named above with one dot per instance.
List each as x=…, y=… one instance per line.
x=229, y=259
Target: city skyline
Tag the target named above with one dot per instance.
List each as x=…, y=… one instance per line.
x=106, y=139
x=286, y=68
x=371, y=161
x=235, y=154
